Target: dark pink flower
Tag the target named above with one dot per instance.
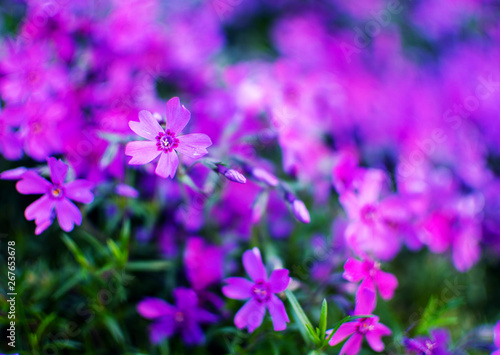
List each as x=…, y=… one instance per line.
x=204, y=263
x=261, y=292
x=167, y=143
x=368, y=271
x=185, y=317
x=363, y=327
x=56, y=194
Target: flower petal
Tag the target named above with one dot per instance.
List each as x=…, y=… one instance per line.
x=161, y=330
x=185, y=299
x=278, y=313
x=58, y=170
x=68, y=214
x=142, y=152
x=177, y=115
x=194, y=145
x=252, y=261
x=496, y=334
x=250, y=315
x=192, y=333
x=79, y=190
x=352, y=345
x=279, y=280
x=343, y=332
x=237, y=288
x=386, y=284
x=147, y=127
x=167, y=166
x=42, y=225
x=152, y=308
x=353, y=270
x=32, y=183
x=374, y=337
x=41, y=209
x=365, y=302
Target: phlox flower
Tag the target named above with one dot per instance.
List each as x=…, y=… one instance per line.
x=56, y=194
x=165, y=143
x=368, y=271
x=260, y=292
x=374, y=224
x=363, y=327
x=184, y=318
x=204, y=263
x=436, y=344
x=496, y=338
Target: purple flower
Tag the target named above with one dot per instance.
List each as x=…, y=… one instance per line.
x=167, y=143
x=261, y=292
x=436, y=344
x=369, y=272
x=355, y=331
x=183, y=318
x=204, y=263
x=55, y=195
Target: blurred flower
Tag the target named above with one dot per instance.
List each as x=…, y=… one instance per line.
x=203, y=262
x=496, y=338
x=369, y=327
x=127, y=191
x=160, y=142
x=368, y=271
x=56, y=195
x=261, y=292
x=184, y=318
x=436, y=344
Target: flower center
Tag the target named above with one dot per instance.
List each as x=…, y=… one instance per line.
x=179, y=317
x=167, y=141
x=368, y=214
x=366, y=325
x=261, y=291
x=430, y=345
x=56, y=191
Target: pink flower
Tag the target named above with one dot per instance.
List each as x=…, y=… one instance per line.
x=167, y=143
x=355, y=331
x=368, y=271
x=261, y=293
x=56, y=194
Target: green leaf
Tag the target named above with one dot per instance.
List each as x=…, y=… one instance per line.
x=77, y=253
x=322, y=320
x=114, y=328
x=44, y=324
x=155, y=265
x=306, y=325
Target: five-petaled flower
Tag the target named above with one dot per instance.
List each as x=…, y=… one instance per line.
x=167, y=143
x=261, y=292
x=436, y=344
x=56, y=194
x=185, y=317
x=369, y=271
x=356, y=330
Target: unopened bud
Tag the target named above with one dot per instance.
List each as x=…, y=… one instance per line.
x=300, y=211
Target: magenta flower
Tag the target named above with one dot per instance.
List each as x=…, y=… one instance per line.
x=496, y=338
x=204, y=263
x=167, y=143
x=436, y=344
x=368, y=271
x=261, y=293
x=56, y=195
x=364, y=327
x=184, y=318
